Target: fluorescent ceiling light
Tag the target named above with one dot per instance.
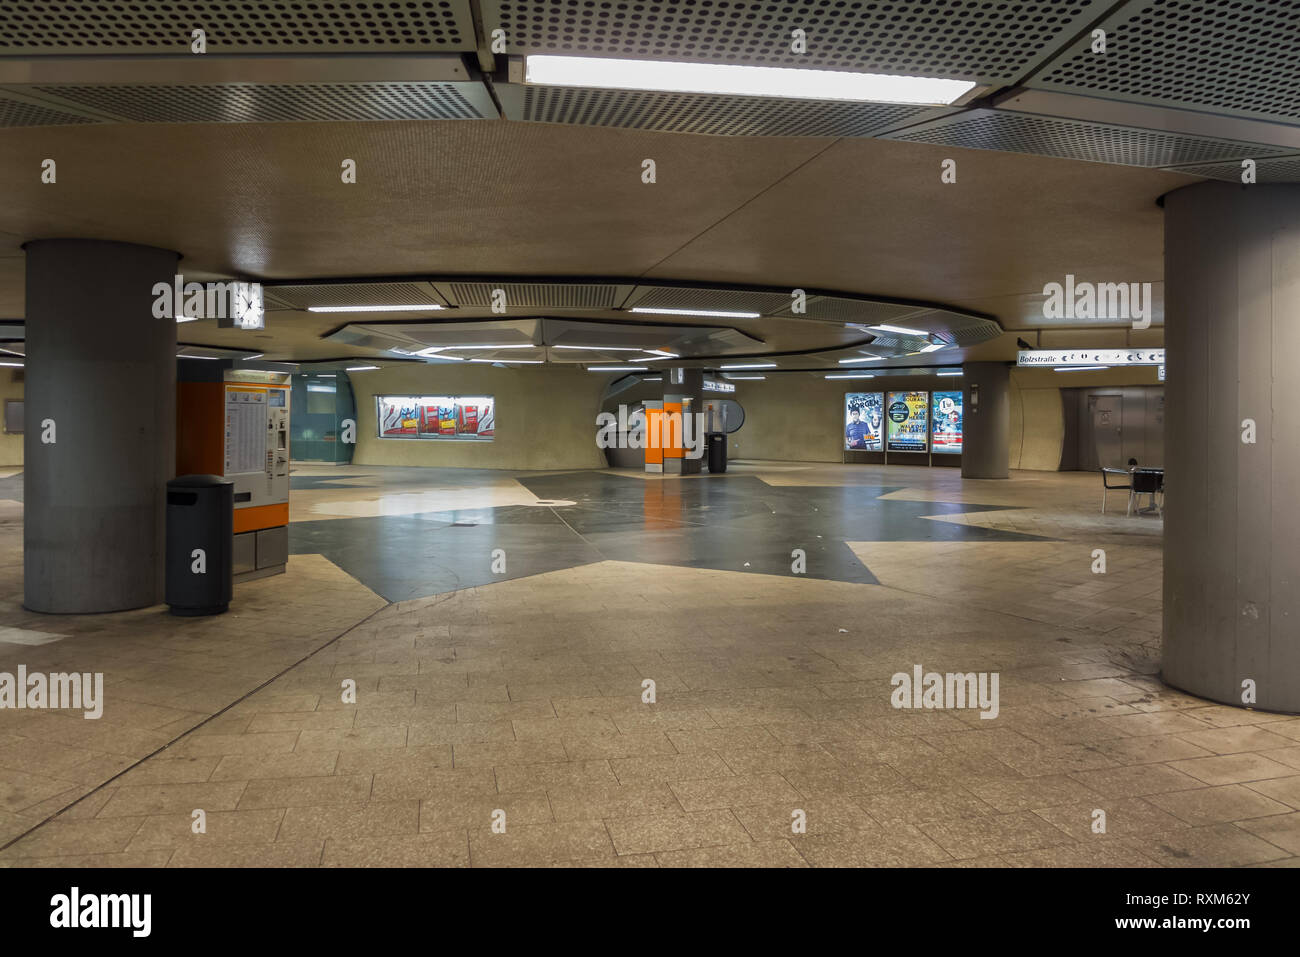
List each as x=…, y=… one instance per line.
x=661, y=354
x=419, y=307
x=934, y=347
x=1077, y=368
x=752, y=365
x=653, y=378
x=752, y=378
x=17, y=365
x=179, y=356
x=617, y=369
x=526, y=345
x=325, y=375
x=900, y=329
x=728, y=79
x=852, y=375
x=246, y=358
x=722, y=314
x=513, y=362
x=863, y=359
x=359, y=368
x=948, y=373
x=605, y=348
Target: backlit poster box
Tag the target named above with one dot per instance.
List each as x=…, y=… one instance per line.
x=864, y=420
x=945, y=414
x=454, y=417
x=907, y=421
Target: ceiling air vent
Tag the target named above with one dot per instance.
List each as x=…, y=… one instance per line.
x=276, y=103
x=983, y=129
x=534, y=295
x=20, y=112
x=353, y=294
x=840, y=309
x=707, y=113
x=719, y=300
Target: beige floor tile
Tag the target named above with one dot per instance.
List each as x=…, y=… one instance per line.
x=221, y=827
x=654, y=833
x=1235, y=768
x=764, y=854
x=1218, y=845
x=1286, y=790
x=540, y=844
x=442, y=848
x=305, y=792
x=1212, y=805
x=1282, y=830
x=601, y=802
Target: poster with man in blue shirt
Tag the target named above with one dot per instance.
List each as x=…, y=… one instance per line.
x=863, y=413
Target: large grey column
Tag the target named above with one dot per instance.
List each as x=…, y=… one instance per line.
x=100, y=381
x=1232, y=515
x=986, y=420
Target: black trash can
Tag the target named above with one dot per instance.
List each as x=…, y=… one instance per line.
x=200, y=542
x=717, y=451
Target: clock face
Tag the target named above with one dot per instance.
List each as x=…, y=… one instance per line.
x=249, y=306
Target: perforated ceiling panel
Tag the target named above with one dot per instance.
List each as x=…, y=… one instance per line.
x=839, y=309
x=1282, y=169
x=970, y=39
x=353, y=294
x=280, y=103
x=1075, y=139
x=79, y=26
x=16, y=112
x=723, y=300
x=1225, y=56
x=703, y=113
x=534, y=295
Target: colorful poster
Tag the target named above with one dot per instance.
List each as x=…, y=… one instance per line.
x=434, y=417
x=864, y=419
x=945, y=413
x=907, y=421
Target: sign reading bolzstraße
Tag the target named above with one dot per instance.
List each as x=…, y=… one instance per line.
x=1091, y=357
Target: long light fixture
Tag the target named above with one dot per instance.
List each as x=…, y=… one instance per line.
x=526, y=345
x=360, y=368
x=604, y=348
x=958, y=372
x=716, y=313
x=751, y=365
x=732, y=80
x=14, y=365
x=934, y=347
x=852, y=375
x=900, y=329
x=863, y=359
x=745, y=378
x=618, y=369
x=419, y=307
x=513, y=362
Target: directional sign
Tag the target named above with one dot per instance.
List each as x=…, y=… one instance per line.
x=1091, y=357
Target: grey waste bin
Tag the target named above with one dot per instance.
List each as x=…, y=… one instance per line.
x=200, y=542
x=717, y=451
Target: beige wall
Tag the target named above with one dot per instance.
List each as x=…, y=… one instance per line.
x=11, y=446
x=800, y=418
x=545, y=416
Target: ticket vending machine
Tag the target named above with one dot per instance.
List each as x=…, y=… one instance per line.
x=235, y=423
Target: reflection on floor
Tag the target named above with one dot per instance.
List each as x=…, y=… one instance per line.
x=523, y=692
x=545, y=523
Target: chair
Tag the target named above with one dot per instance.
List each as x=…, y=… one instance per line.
x=1107, y=487
x=1147, y=482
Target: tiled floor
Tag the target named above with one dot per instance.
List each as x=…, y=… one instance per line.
x=499, y=717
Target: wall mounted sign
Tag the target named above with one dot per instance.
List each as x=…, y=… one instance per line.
x=1091, y=357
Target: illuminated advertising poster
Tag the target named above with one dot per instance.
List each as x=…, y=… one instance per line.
x=945, y=413
x=435, y=417
x=907, y=421
x=864, y=419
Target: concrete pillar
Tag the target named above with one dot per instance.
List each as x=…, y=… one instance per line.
x=1232, y=519
x=986, y=420
x=100, y=382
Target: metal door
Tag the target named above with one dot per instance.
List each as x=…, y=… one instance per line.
x=1106, y=415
